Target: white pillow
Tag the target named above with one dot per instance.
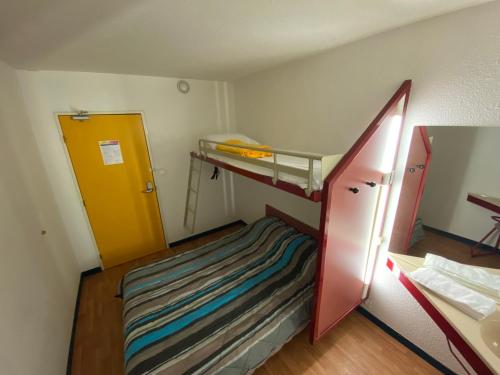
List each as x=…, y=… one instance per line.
x=226, y=136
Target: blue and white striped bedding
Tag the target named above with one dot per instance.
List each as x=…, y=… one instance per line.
x=221, y=308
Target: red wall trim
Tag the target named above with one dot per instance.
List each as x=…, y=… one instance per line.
x=282, y=185
x=467, y=352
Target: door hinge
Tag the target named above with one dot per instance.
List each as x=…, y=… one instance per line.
x=81, y=116
x=64, y=139
x=83, y=201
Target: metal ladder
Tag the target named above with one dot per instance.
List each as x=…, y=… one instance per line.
x=192, y=192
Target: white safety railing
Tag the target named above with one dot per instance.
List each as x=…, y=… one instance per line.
x=276, y=167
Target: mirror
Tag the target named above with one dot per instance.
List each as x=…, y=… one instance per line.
x=450, y=198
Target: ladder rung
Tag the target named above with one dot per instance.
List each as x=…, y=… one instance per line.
x=192, y=190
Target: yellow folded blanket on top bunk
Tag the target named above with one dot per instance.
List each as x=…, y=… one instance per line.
x=253, y=154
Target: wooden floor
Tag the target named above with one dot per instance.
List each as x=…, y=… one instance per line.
x=357, y=346
x=452, y=249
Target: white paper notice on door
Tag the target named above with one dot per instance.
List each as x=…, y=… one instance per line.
x=111, y=152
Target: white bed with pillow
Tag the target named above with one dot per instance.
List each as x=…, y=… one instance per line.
x=291, y=166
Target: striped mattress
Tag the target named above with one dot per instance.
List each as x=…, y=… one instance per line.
x=223, y=308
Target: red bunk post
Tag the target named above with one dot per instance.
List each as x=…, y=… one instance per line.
x=352, y=207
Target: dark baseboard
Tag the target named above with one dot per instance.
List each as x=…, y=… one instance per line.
x=415, y=349
x=83, y=275
x=90, y=272
x=458, y=238
x=207, y=232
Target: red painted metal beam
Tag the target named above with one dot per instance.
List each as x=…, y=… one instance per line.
x=282, y=185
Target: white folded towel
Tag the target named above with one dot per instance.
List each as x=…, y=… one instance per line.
x=472, y=277
x=467, y=300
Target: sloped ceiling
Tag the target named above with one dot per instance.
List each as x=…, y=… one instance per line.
x=206, y=39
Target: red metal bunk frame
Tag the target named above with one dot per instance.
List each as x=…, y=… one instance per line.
x=347, y=229
x=340, y=286
x=282, y=185
x=316, y=195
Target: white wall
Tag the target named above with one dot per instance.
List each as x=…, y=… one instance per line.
x=174, y=122
x=463, y=160
x=323, y=103
x=38, y=274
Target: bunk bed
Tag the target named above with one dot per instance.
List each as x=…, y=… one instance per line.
x=298, y=173
x=353, y=197
x=158, y=299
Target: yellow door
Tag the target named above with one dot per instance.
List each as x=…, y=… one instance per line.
x=110, y=158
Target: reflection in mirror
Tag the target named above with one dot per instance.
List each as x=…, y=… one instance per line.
x=450, y=204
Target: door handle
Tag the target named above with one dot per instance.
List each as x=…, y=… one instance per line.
x=149, y=187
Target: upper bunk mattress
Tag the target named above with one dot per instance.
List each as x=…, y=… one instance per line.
x=287, y=160
x=222, y=308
